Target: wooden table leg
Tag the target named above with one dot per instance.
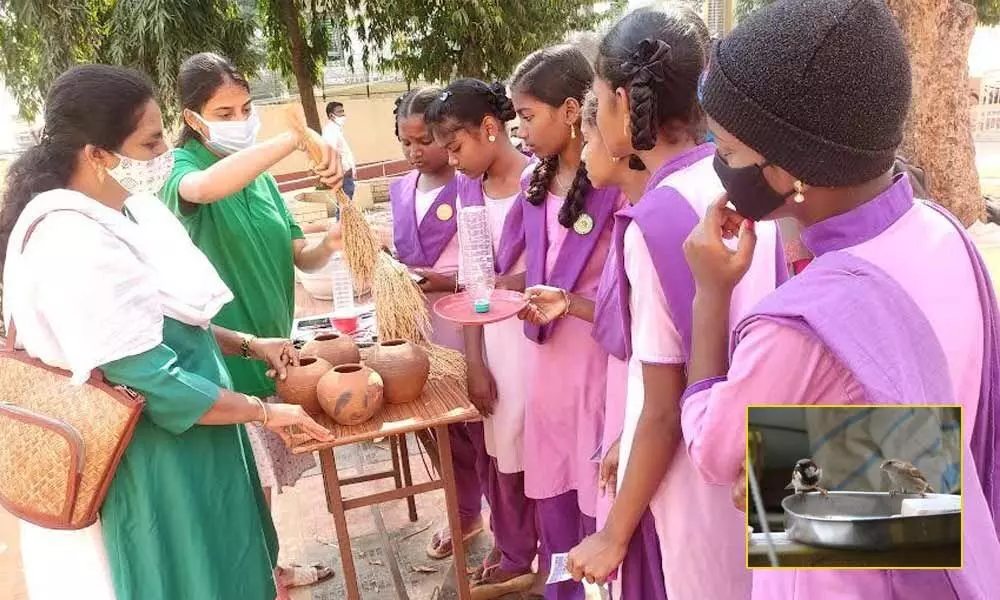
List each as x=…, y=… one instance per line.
x=326, y=490
x=404, y=456
x=329, y=465
x=451, y=499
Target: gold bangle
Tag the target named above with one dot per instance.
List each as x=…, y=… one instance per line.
x=569, y=302
x=263, y=409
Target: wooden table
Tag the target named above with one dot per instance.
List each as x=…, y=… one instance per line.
x=794, y=554
x=443, y=403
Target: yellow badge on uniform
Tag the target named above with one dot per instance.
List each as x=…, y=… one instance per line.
x=584, y=224
x=445, y=212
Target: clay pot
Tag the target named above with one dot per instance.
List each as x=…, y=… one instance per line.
x=351, y=394
x=299, y=387
x=404, y=367
x=334, y=348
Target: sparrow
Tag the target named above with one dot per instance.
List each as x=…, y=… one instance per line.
x=905, y=475
x=805, y=477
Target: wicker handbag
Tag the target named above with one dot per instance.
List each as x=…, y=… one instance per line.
x=59, y=443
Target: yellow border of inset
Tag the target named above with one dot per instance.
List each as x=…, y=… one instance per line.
x=746, y=482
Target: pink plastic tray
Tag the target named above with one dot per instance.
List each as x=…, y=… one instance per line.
x=458, y=308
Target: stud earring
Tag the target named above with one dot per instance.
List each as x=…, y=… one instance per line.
x=799, y=188
x=492, y=138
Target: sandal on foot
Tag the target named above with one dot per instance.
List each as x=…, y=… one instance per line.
x=496, y=583
x=439, y=547
x=491, y=560
x=299, y=576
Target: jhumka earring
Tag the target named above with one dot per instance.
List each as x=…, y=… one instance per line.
x=799, y=188
x=572, y=132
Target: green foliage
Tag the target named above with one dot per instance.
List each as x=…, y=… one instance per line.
x=316, y=36
x=437, y=40
x=40, y=39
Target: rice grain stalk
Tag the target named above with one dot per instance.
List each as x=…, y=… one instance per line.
x=400, y=309
x=360, y=242
x=446, y=364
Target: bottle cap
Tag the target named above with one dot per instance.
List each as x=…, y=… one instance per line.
x=482, y=306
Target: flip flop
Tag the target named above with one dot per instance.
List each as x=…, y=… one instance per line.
x=485, y=590
x=492, y=559
x=306, y=575
x=439, y=548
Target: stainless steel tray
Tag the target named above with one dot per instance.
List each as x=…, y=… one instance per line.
x=865, y=521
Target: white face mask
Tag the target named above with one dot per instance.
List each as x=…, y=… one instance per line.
x=340, y=120
x=228, y=137
x=142, y=176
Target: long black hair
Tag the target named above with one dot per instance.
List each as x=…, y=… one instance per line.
x=414, y=102
x=97, y=105
x=553, y=75
x=657, y=55
x=201, y=76
x=466, y=102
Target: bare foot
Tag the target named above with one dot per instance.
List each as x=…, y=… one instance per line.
x=440, y=545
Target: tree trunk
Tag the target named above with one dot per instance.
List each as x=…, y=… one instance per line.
x=938, y=134
x=288, y=12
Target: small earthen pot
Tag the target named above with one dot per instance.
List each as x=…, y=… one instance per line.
x=299, y=387
x=404, y=368
x=334, y=348
x=351, y=394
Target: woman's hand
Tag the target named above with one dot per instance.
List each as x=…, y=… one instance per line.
x=436, y=282
x=482, y=388
x=334, y=239
x=545, y=304
x=740, y=491
x=715, y=267
x=608, y=482
x=326, y=158
x=277, y=353
x=596, y=557
x=294, y=425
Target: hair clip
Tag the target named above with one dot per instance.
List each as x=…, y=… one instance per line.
x=444, y=96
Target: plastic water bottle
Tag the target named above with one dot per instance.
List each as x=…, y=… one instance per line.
x=476, y=265
x=343, y=286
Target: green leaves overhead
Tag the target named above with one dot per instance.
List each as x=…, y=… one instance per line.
x=40, y=39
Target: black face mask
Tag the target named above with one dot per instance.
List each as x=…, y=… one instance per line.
x=748, y=190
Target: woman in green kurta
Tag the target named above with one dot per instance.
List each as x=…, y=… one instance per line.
x=231, y=207
x=184, y=516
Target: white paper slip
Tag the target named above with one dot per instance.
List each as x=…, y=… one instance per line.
x=558, y=571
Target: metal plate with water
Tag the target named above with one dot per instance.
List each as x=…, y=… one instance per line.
x=865, y=521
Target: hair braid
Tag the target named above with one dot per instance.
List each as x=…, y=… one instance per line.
x=642, y=113
x=541, y=180
x=576, y=198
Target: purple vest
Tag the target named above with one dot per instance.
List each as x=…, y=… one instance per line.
x=665, y=219
x=420, y=245
x=512, y=238
x=573, y=255
x=869, y=322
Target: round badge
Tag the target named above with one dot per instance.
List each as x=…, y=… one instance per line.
x=584, y=224
x=445, y=212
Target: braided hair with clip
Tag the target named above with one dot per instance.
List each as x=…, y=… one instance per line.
x=414, y=102
x=554, y=75
x=657, y=56
x=466, y=102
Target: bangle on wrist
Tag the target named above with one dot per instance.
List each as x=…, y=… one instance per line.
x=569, y=302
x=263, y=410
x=246, y=351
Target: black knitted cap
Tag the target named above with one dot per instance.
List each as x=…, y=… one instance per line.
x=819, y=87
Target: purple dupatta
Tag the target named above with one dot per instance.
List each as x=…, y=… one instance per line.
x=512, y=238
x=421, y=245
x=869, y=322
x=665, y=218
x=573, y=255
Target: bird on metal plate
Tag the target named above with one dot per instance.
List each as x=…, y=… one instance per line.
x=806, y=476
